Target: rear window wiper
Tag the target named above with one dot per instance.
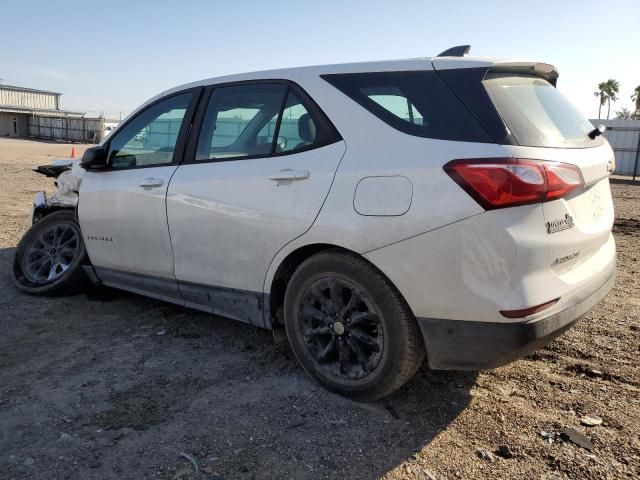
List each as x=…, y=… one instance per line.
x=596, y=132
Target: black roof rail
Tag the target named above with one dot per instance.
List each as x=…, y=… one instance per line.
x=459, y=51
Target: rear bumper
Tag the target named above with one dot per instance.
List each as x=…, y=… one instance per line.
x=468, y=345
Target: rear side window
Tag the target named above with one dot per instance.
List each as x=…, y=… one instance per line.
x=233, y=124
x=537, y=114
x=297, y=127
x=395, y=102
x=258, y=120
x=417, y=103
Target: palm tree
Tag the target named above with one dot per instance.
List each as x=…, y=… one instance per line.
x=624, y=114
x=636, y=98
x=612, y=88
x=602, y=94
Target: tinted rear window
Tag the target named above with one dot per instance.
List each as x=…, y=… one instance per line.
x=417, y=103
x=537, y=114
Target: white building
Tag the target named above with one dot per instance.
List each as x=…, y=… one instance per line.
x=27, y=112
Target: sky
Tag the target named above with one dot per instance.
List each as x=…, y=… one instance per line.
x=111, y=56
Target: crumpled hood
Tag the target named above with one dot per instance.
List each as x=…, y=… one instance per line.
x=56, y=167
x=68, y=180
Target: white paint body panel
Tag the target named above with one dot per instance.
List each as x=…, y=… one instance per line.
x=495, y=261
x=505, y=259
x=228, y=219
x=114, y=206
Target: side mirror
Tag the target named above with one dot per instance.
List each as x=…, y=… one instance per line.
x=94, y=158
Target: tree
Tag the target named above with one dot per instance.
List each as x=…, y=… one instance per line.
x=636, y=98
x=625, y=114
x=606, y=93
x=612, y=88
x=602, y=94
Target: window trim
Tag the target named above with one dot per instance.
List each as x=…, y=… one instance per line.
x=276, y=130
x=318, y=115
x=182, y=139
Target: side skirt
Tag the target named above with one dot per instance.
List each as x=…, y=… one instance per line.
x=241, y=305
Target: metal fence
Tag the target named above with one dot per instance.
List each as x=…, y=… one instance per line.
x=84, y=130
x=624, y=137
x=228, y=130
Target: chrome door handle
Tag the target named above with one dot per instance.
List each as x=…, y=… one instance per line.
x=151, y=182
x=289, y=174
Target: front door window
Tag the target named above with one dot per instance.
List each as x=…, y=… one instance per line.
x=151, y=137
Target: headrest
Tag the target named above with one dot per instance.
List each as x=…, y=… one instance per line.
x=306, y=128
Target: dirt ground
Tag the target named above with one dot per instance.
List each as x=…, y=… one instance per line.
x=110, y=385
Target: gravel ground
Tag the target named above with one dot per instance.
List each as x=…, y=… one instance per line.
x=110, y=385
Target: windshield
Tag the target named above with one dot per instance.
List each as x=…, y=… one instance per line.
x=537, y=114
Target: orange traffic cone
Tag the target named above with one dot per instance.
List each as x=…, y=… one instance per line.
x=73, y=152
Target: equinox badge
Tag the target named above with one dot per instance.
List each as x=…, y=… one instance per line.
x=559, y=225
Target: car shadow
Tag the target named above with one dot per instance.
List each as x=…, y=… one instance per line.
x=134, y=382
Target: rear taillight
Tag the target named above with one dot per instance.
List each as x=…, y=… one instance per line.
x=508, y=182
x=562, y=178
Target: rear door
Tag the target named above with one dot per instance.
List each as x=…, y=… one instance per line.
x=258, y=169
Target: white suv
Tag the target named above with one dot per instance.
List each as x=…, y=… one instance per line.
x=448, y=206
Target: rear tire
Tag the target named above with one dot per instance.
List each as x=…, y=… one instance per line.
x=49, y=259
x=349, y=327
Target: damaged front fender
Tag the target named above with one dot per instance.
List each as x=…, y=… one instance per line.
x=68, y=176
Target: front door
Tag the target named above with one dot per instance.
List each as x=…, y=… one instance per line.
x=122, y=210
x=262, y=168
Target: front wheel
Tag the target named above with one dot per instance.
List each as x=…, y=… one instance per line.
x=50, y=257
x=350, y=328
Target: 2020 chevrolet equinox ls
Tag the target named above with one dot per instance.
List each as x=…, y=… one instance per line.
x=447, y=207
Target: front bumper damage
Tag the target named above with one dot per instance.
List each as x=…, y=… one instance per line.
x=37, y=207
x=68, y=178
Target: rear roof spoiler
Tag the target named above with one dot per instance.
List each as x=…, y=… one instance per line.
x=459, y=51
x=543, y=70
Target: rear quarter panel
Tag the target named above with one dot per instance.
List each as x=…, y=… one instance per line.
x=375, y=149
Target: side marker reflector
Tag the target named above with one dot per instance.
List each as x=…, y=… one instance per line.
x=525, y=312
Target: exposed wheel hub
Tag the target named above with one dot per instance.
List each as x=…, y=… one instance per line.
x=342, y=328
